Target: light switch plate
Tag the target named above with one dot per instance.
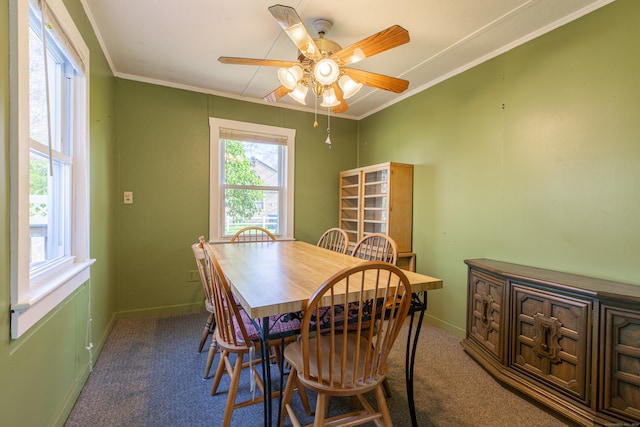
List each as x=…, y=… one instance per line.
x=128, y=197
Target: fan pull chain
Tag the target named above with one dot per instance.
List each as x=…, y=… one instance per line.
x=315, y=111
x=328, y=140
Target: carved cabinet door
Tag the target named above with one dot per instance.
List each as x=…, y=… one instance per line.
x=621, y=362
x=485, y=314
x=551, y=338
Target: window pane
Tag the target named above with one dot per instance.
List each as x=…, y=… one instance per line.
x=251, y=207
x=50, y=197
x=37, y=90
x=49, y=210
x=251, y=163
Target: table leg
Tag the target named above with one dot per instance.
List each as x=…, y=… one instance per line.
x=266, y=371
x=412, y=344
x=282, y=373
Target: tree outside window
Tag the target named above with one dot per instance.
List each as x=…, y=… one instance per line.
x=241, y=205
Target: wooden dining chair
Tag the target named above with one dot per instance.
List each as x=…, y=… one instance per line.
x=337, y=362
x=236, y=334
x=378, y=247
x=253, y=233
x=335, y=239
x=210, y=324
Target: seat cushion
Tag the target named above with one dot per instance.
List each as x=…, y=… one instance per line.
x=291, y=322
x=278, y=325
x=351, y=316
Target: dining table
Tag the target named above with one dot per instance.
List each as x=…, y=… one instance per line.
x=278, y=277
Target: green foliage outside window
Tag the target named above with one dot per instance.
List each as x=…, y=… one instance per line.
x=241, y=204
x=38, y=183
x=38, y=173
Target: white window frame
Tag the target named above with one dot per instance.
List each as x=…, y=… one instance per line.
x=31, y=300
x=216, y=193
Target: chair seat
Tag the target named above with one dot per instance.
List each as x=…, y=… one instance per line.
x=293, y=354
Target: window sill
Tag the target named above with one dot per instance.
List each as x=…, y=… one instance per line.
x=51, y=292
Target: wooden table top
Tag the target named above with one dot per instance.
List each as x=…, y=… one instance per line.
x=270, y=278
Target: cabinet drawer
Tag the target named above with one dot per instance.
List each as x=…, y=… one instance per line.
x=551, y=338
x=621, y=362
x=486, y=318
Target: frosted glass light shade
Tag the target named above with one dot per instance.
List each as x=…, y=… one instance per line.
x=326, y=71
x=299, y=93
x=349, y=86
x=329, y=98
x=289, y=77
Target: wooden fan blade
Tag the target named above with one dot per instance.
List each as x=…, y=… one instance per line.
x=259, y=62
x=379, y=81
x=276, y=94
x=291, y=23
x=384, y=40
x=343, y=106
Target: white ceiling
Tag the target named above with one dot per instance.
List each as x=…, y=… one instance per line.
x=177, y=43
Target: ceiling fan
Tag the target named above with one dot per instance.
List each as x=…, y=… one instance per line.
x=323, y=65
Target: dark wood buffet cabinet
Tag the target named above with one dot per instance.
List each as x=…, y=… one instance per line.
x=570, y=342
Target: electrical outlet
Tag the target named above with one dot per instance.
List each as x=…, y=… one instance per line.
x=193, y=276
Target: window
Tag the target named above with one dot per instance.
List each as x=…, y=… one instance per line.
x=252, y=170
x=49, y=160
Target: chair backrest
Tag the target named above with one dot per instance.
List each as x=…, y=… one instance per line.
x=377, y=247
x=335, y=239
x=230, y=326
x=253, y=233
x=354, y=358
x=205, y=278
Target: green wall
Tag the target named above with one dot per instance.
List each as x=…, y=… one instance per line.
x=42, y=372
x=163, y=151
x=532, y=158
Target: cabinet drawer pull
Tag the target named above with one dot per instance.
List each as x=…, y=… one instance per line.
x=547, y=337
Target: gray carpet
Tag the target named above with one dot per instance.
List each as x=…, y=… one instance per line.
x=149, y=374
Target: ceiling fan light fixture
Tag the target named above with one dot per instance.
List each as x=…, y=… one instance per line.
x=349, y=86
x=289, y=77
x=326, y=71
x=329, y=98
x=299, y=93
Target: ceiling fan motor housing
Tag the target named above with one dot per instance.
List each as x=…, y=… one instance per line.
x=322, y=27
x=326, y=46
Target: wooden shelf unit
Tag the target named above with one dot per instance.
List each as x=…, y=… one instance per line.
x=570, y=342
x=350, y=204
x=378, y=199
